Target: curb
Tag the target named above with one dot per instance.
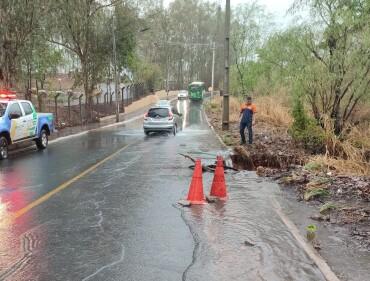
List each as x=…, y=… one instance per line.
x=312, y=253
x=214, y=131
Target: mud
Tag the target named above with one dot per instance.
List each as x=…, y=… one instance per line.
x=272, y=147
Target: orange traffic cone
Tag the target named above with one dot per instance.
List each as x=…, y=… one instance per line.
x=196, y=195
x=218, y=188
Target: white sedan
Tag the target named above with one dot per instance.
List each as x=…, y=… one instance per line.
x=183, y=94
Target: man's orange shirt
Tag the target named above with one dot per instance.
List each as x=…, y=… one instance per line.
x=245, y=106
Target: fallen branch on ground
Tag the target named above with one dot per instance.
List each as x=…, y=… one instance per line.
x=208, y=168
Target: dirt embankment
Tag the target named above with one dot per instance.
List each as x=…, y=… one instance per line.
x=338, y=199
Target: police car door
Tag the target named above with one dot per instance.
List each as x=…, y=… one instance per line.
x=16, y=122
x=30, y=120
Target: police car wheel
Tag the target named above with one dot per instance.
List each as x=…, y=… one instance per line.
x=3, y=148
x=43, y=141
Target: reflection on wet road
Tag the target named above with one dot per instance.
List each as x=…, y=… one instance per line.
x=119, y=221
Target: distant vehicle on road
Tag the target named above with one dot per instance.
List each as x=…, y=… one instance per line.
x=196, y=91
x=19, y=122
x=163, y=103
x=183, y=94
x=162, y=119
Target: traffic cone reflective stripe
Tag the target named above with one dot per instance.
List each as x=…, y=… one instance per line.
x=196, y=195
x=218, y=188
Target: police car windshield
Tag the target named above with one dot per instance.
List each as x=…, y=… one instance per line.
x=2, y=108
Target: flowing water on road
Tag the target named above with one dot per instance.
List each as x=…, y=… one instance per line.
x=244, y=239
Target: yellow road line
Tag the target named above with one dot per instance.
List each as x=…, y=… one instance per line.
x=63, y=186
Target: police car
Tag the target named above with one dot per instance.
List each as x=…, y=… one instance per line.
x=19, y=122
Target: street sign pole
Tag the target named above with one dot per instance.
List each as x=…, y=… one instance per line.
x=225, y=108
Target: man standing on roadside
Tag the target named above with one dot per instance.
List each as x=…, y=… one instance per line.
x=247, y=110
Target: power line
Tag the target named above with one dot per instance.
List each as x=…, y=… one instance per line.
x=212, y=45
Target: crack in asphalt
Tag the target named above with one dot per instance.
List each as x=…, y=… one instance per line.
x=107, y=265
x=196, y=243
x=99, y=215
x=29, y=244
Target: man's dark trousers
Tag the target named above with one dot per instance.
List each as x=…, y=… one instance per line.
x=243, y=126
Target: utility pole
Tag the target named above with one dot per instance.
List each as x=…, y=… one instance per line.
x=167, y=75
x=225, y=108
x=213, y=68
x=116, y=87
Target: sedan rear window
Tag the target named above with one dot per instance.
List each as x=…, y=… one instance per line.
x=158, y=112
x=2, y=108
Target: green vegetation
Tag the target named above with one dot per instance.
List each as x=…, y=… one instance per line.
x=305, y=129
x=323, y=61
x=313, y=166
x=37, y=37
x=327, y=207
x=227, y=139
x=315, y=193
x=311, y=232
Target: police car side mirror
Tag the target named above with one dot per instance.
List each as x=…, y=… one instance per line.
x=14, y=116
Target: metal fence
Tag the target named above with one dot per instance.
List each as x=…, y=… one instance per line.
x=71, y=108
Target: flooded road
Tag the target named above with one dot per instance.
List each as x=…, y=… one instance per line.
x=244, y=239
x=102, y=206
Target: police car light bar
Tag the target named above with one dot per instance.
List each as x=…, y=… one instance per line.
x=7, y=94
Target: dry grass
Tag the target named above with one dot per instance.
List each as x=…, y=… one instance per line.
x=234, y=103
x=352, y=144
x=347, y=154
x=234, y=109
x=341, y=166
x=274, y=110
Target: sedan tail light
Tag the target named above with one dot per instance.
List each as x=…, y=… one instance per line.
x=146, y=116
x=170, y=117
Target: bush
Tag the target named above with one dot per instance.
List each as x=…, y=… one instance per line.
x=305, y=130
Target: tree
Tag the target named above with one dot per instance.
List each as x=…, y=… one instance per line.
x=248, y=26
x=180, y=39
x=18, y=20
x=126, y=29
x=84, y=29
x=339, y=69
x=39, y=58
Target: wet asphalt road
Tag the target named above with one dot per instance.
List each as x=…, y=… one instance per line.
x=121, y=222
